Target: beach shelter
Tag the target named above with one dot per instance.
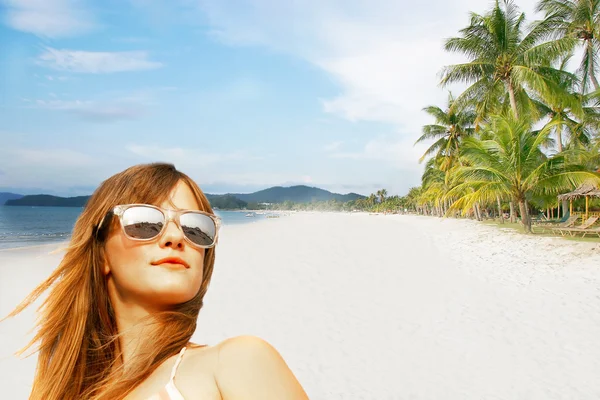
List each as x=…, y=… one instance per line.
x=586, y=190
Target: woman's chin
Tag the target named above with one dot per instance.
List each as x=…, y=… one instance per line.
x=171, y=296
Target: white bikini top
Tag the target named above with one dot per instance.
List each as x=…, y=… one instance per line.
x=170, y=391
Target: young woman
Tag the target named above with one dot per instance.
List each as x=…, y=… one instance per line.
x=123, y=303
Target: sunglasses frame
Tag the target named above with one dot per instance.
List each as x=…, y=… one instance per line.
x=170, y=215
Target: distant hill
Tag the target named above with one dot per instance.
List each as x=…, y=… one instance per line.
x=46, y=200
x=297, y=194
x=278, y=194
x=5, y=196
x=225, y=202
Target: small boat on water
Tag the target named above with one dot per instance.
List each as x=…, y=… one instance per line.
x=250, y=215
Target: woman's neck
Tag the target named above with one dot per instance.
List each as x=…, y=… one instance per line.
x=133, y=327
x=134, y=322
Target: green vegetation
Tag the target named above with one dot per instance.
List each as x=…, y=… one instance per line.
x=296, y=194
x=45, y=200
x=226, y=202
x=525, y=129
x=376, y=202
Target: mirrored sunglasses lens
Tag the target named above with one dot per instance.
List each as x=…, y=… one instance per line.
x=198, y=228
x=142, y=222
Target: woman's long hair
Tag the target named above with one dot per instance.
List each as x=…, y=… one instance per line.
x=77, y=336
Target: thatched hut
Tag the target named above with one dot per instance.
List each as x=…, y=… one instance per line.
x=586, y=190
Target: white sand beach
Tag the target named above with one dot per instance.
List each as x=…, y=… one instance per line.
x=385, y=307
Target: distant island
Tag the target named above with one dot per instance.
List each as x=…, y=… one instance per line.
x=230, y=201
x=5, y=196
x=46, y=200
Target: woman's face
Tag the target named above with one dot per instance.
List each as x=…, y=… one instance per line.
x=134, y=270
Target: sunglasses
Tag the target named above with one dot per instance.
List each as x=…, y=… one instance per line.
x=144, y=222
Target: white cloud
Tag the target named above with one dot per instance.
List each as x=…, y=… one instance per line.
x=50, y=18
x=396, y=151
x=49, y=168
x=58, y=157
x=105, y=107
x=385, y=54
x=333, y=146
x=185, y=158
x=53, y=78
x=96, y=62
x=97, y=111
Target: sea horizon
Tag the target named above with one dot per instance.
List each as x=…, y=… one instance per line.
x=29, y=226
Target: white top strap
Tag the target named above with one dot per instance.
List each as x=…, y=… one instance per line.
x=177, y=364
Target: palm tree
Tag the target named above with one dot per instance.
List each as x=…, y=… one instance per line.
x=412, y=198
x=562, y=112
x=504, y=60
x=508, y=162
x=578, y=19
x=381, y=194
x=371, y=199
x=435, y=185
x=450, y=126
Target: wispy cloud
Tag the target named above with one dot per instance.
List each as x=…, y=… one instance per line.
x=102, y=111
x=95, y=111
x=96, y=62
x=189, y=157
x=49, y=18
x=131, y=39
x=333, y=146
x=105, y=107
x=51, y=168
x=59, y=157
x=385, y=54
x=395, y=150
x=53, y=78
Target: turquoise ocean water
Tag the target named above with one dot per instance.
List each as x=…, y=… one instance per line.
x=29, y=226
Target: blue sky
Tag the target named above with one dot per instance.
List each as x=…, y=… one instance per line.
x=241, y=95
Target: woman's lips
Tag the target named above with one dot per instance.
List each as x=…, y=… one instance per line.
x=171, y=261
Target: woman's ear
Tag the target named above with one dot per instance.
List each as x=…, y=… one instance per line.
x=106, y=268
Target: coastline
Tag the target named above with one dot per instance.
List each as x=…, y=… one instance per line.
x=386, y=306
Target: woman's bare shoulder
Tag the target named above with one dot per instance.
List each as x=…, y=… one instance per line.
x=216, y=358
x=236, y=348
x=195, y=377
x=240, y=367
x=250, y=367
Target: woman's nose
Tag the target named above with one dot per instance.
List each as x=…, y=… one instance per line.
x=172, y=236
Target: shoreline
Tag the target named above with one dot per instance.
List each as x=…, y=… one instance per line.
x=286, y=213
x=487, y=223
x=33, y=246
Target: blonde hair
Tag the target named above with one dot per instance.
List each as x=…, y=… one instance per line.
x=79, y=354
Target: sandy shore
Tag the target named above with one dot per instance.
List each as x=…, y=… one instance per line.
x=386, y=307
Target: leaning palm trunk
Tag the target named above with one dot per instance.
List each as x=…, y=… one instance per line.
x=525, y=220
x=479, y=214
x=513, y=218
